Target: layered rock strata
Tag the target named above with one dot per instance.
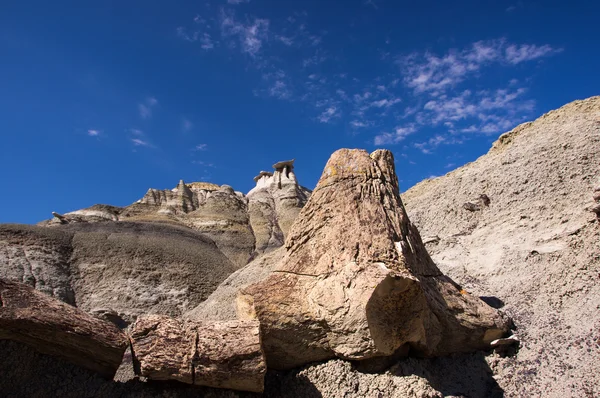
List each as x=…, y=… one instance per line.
x=125, y=268
x=356, y=281
x=242, y=226
x=55, y=328
x=274, y=204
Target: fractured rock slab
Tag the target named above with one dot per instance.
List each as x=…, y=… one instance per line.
x=214, y=354
x=356, y=281
x=55, y=328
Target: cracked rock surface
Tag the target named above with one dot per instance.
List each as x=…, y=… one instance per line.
x=214, y=354
x=356, y=281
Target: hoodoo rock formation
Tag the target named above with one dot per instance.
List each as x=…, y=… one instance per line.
x=274, y=204
x=242, y=226
x=356, y=281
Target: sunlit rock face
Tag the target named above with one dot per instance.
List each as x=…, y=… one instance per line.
x=242, y=226
x=356, y=281
x=274, y=204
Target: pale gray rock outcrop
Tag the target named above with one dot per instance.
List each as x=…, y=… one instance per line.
x=123, y=268
x=274, y=204
x=38, y=257
x=243, y=227
x=535, y=249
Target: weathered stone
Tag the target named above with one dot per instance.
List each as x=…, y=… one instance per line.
x=510, y=340
x=263, y=174
x=214, y=354
x=131, y=268
x=62, y=219
x=289, y=164
x=274, y=204
x=163, y=348
x=55, y=328
x=356, y=281
x=478, y=204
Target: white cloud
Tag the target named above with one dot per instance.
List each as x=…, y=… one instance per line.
x=181, y=32
x=427, y=147
x=206, y=42
x=526, y=52
x=250, y=35
x=399, y=134
x=385, y=103
x=140, y=142
x=145, y=108
x=328, y=114
x=496, y=110
x=434, y=74
x=280, y=90
x=201, y=147
x=93, y=133
x=288, y=41
x=238, y=1
x=318, y=58
x=361, y=123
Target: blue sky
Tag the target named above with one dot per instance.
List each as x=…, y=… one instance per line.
x=100, y=101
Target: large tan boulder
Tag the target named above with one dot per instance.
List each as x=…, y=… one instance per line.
x=55, y=328
x=356, y=281
x=215, y=354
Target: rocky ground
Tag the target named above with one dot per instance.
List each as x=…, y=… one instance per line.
x=535, y=247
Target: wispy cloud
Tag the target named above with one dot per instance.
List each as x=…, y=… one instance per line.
x=140, y=142
x=528, y=52
x=427, y=147
x=145, y=108
x=399, y=134
x=329, y=114
x=489, y=111
x=251, y=35
x=237, y=1
x=93, y=133
x=371, y=3
x=435, y=74
x=200, y=147
x=138, y=139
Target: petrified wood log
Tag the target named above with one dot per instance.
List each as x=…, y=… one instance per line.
x=55, y=328
x=215, y=354
x=356, y=281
